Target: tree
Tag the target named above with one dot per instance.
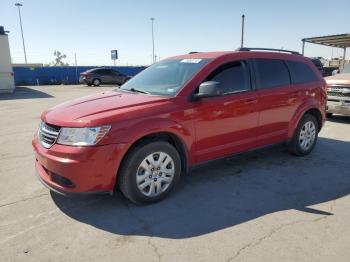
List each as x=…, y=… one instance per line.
x=58, y=60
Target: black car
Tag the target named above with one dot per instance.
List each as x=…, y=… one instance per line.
x=317, y=62
x=98, y=76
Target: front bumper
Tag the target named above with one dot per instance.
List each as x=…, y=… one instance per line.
x=69, y=170
x=85, y=81
x=338, y=105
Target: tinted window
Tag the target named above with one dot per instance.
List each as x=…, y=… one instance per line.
x=115, y=72
x=271, y=73
x=301, y=72
x=317, y=62
x=106, y=71
x=97, y=71
x=233, y=77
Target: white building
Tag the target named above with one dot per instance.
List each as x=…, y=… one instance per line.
x=7, y=83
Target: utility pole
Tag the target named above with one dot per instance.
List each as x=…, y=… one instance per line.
x=344, y=56
x=76, y=68
x=153, y=57
x=242, y=36
x=20, y=22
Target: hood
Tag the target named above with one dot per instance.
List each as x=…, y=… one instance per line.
x=100, y=109
x=338, y=79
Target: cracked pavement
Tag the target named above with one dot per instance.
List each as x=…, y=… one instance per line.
x=261, y=206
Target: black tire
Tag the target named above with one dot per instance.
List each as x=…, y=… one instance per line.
x=329, y=115
x=127, y=175
x=295, y=147
x=96, y=82
x=89, y=84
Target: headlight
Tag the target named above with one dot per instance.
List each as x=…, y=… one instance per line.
x=87, y=136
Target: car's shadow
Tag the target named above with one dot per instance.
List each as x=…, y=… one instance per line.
x=22, y=92
x=339, y=119
x=226, y=193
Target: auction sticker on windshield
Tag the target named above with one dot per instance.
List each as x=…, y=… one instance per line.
x=191, y=60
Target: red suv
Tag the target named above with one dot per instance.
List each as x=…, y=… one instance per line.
x=176, y=114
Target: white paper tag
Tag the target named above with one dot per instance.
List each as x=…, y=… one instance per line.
x=191, y=60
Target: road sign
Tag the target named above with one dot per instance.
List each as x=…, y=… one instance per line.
x=114, y=54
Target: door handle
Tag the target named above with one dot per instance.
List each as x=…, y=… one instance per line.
x=250, y=101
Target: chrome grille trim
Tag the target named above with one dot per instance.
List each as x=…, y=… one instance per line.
x=331, y=93
x=338, y=91
x=48, y=134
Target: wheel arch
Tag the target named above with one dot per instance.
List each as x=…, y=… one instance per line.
x=303, y=110
x=166, y=136
x=317, y=114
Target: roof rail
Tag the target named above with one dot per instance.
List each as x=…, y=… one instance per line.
x=267, y=49
x=193, y=52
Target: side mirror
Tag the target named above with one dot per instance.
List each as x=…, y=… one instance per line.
x=207, y=89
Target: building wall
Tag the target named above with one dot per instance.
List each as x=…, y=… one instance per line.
x=6, y=73
x=55, y=75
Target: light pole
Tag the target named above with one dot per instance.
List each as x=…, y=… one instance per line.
x=242, y=36
x=20, y=22
x=153, y=57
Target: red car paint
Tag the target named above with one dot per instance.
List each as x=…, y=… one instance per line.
x=209, y=128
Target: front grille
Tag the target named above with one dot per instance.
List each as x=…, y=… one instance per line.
x=48, y=134
x=338, y=90
x=338, y=94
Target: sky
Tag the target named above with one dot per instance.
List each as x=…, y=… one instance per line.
x=92, y=28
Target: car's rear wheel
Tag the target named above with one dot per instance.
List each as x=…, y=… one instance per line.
x=305, y=136
x=149, y=172
x=96, y=82
x=329, y=115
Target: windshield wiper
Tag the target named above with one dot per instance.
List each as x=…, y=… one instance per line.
x=137, y=90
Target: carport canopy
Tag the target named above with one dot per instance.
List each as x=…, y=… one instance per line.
x=339, y=41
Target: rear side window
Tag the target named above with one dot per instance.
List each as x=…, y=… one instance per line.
x=102, y=71
x=233, y=77
x=107, y=71
x=97, y=71
x=301, y=72
x=271, y=73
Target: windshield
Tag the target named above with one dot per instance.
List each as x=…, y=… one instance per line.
x=346, y=69
x=165, y=78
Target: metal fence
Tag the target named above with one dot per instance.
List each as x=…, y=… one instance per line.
x=57, y=75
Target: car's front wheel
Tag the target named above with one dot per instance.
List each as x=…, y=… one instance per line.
x=149, y=172
x=305, y=136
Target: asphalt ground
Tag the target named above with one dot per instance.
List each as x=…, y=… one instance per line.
x=261, y=206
